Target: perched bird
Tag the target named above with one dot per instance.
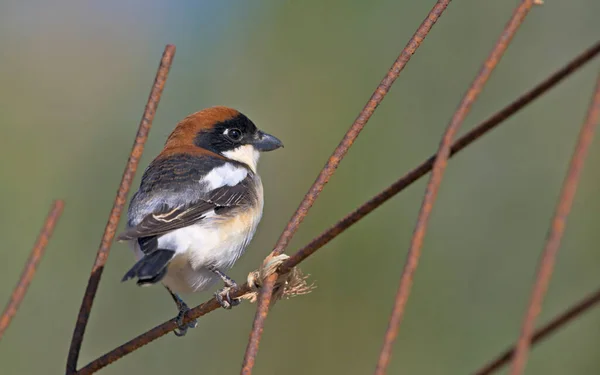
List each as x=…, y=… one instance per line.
x=198, y=205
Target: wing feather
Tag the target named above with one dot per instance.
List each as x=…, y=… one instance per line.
x=175, y=177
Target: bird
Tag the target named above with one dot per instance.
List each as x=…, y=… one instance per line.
x=198, y=206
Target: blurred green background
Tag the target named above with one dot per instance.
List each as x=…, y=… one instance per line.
x=74, y=80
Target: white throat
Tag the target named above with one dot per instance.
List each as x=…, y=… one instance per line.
x=246, y=154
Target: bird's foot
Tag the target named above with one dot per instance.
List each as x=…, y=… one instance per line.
x=222, y=296
x=228, y=281
x=183, y=309
x=224, y=299
x=181, y=326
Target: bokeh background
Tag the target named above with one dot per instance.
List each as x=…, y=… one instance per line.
x=74, y=80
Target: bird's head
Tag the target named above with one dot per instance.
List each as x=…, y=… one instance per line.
x=225, y=132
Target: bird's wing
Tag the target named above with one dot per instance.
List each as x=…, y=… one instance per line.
x=167, y=220
x=171, y=180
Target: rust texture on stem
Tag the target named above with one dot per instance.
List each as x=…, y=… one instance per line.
x=153, y=334
x=31, y=266
x=330, y=167
x=435, y=180
x=557, y=229
x=359, y=213
x=118, y=206
x=561, y=320
x=418, y=172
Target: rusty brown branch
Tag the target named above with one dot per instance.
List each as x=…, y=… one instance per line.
x=560, y=321
x=435, y=180
x=359, y=213
x=117, y=209
x=559, y=222
x=153, y=334
x=418, y=172
x=330, y=167
x=31, y=266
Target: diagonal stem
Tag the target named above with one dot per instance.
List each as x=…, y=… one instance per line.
x=118, y=206
x=421, y=170
x=557, y=229
x=264, y=299
x=437, y=173
x=402, y=183
x=561, y=320
x=31, y=266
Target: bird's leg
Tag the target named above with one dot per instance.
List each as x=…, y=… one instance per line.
x=222, y=295
x=183, y=308
x=229, y=282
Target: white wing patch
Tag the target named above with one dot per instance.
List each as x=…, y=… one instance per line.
x=227, y=174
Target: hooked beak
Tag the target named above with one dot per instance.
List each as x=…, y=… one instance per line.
x=266, y=142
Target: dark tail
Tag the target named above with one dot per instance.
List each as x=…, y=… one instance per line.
x=151, y=268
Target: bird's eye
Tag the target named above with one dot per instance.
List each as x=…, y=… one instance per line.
x=234, y=134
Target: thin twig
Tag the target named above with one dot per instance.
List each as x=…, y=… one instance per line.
x=31, y=266
x=435, y=180
x=557, y=229
x=118, y=205
x=560, y=321
x=418, y=172
x=356, y=215
x=266, y=292
x=153, y=334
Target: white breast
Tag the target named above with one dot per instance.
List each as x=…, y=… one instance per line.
x=215, y=241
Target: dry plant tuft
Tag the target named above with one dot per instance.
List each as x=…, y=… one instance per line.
x=289, y=284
